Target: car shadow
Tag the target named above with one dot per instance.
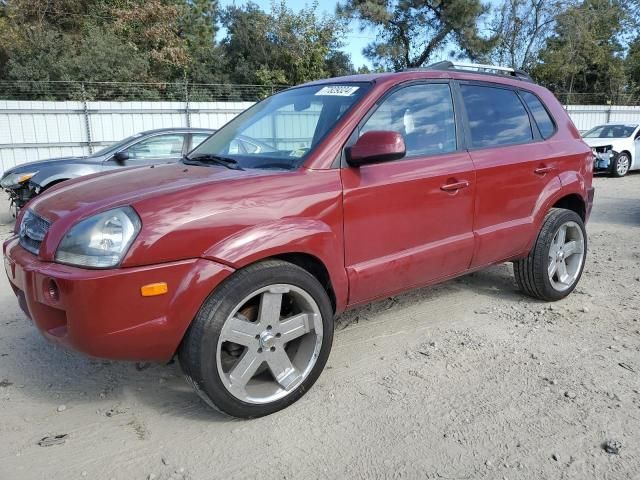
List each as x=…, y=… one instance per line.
x=55, y=375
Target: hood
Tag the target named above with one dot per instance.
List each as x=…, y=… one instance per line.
x=601, y=142
x=40, y=164
x=170, y=199
x=91, y=194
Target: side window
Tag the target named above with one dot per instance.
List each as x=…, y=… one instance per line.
x=160, y=146
x=423, y=114
x=198, y=138
x=496, y=116
x=540, y=114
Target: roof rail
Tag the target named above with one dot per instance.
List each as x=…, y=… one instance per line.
x=478, y=68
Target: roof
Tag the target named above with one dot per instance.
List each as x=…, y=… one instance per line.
x=177, y=129
x=442, y=70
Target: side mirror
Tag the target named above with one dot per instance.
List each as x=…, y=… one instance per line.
x=376, y=146
x=121, y=157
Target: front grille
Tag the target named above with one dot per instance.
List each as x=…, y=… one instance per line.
x=32, y=231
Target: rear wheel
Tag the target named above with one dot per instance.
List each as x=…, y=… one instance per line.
x=554, y=266
x=260, y=340
x=620, y=165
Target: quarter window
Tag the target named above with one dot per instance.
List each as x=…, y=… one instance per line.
x=540, y=114
x=423, y=114
x=496, y=116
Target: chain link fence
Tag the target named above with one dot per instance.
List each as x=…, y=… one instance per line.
x=207, y=92
x=122, y=91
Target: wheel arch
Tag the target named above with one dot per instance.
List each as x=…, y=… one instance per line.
x=307, y=243
x=573, y=202
x=314, y=266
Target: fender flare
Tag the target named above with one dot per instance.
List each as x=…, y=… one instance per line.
x=564, y=185
x=283, y=237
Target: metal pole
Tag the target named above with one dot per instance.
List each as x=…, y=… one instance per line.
x=87, y=122
x=186, y=103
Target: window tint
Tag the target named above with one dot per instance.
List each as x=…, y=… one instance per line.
x=540, y=114
x=496, y=116
x=160, y=146
x=423, y=114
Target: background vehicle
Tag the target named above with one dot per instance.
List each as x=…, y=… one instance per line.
x=153, y=146
x=616, y=147
x=237, y=262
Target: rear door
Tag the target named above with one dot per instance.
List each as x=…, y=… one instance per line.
x=513, y=166
x=403, y=227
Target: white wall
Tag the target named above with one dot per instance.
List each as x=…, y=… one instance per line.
x=588, y=116
x=34, y=130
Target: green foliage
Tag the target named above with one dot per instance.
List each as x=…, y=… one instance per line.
x=282, y=46
x=412, y=31
x=521, y=29
x=584, y=55
x=574, y=47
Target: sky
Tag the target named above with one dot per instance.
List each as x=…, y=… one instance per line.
x=355, y=40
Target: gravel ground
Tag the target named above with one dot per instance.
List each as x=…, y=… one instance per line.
x=464, y=380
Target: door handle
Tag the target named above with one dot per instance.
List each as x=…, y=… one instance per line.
x=452, y=187
x=543, y=170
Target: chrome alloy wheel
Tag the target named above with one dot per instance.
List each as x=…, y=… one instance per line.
x=622, y=165
x=566, y=256
x=269, y=344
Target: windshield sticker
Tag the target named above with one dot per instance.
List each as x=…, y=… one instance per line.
x=338, y=90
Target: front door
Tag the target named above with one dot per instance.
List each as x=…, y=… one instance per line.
x=409, y=222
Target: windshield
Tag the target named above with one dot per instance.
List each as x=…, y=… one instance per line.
x=611, y=131
x=114, y=147
x=282, y=130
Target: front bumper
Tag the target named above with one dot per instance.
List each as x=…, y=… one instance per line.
x=603, y=160
x=102, y=312
x=19, y=195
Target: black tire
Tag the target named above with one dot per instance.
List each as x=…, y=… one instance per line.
x=197, y=353
x=531, y=272
x=622, y=157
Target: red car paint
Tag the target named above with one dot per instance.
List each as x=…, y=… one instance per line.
x=377, y=230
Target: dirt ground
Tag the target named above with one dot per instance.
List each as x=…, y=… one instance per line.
x=464, y=380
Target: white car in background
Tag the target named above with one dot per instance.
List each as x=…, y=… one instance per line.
x=616, y=147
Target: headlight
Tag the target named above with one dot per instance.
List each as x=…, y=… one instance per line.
x=15, y=179
x=100, y=241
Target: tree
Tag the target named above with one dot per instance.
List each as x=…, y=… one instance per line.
x=281, y=46
x=632, y=66
x=412, y=31
x=584, y=54
x=521, y=29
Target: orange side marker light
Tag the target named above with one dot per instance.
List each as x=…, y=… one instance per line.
x=154, y=289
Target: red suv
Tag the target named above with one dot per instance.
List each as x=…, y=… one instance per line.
x=238, y=259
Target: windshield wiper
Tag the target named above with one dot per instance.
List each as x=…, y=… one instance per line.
x=208, y=158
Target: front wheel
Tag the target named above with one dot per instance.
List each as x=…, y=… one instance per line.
x=554, y=265
x=260, y=340
x=620, y=165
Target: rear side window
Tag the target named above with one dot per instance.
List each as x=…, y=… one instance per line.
x=497, y=117
x=540, y=114
x=422, y=114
